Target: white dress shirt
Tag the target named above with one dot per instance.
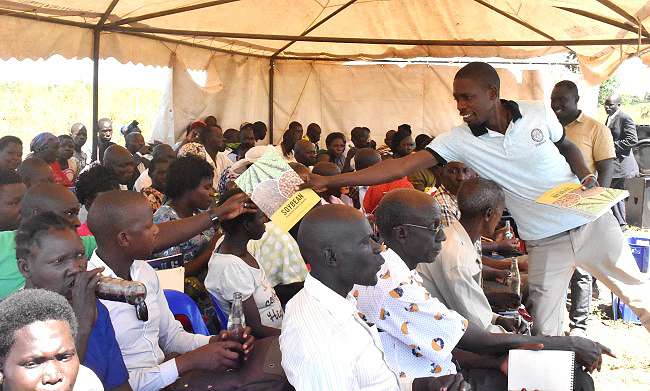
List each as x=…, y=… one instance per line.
x=144, y=344
x=455, y=278
x=220, y=163
x=418, y=332
x=326, y=346
x=144, y=180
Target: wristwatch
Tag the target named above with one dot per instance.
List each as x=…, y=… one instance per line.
x=214, y=217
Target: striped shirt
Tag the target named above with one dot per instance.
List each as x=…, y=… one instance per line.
x=448, y=206
x=326, y=346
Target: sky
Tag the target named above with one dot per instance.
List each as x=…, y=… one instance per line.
x=634, y=77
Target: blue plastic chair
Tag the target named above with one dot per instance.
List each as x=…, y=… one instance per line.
x=181, y=304
x=223, y=318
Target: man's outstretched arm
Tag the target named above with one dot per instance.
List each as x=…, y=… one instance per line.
x=576, y=161
x=383, y=172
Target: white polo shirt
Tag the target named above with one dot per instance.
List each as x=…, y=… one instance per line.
x=524, y=161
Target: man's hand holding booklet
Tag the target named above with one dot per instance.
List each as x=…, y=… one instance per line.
x=590, y=204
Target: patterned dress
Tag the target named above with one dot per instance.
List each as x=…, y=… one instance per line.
x=191, y=248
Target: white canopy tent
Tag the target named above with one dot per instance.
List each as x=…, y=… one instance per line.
x=265, y=44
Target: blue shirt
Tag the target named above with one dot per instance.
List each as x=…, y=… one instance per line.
x=103, y=354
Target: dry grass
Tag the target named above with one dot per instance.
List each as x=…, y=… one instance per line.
x=630, y=342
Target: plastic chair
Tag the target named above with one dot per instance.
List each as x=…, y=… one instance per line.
x=223, y=318
x=181, y=304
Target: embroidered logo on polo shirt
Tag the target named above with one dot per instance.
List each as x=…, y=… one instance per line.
x=537, y=135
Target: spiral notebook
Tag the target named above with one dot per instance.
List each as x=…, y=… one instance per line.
x=543, y=370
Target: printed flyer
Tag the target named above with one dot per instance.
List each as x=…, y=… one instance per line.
x=590, y=204
x=271, y=183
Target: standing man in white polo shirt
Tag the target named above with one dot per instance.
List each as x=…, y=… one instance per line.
x=522, y=147
x=595, y=142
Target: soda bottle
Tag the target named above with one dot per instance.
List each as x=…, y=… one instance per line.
x=132, y=292
x=237, y=323
x=508, y=234
x=514, y=280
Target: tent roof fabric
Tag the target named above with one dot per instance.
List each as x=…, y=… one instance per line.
x=602, y=32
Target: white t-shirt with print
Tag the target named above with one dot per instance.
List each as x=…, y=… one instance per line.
x=228, y=274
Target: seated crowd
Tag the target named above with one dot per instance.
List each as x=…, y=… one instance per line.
x=383, y=285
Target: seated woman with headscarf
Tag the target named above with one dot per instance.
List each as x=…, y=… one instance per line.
x=45, y=146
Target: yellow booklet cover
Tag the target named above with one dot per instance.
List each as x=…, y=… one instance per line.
x=271, y=182
x=591, y=203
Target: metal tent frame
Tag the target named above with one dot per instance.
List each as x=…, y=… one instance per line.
x=108, y=23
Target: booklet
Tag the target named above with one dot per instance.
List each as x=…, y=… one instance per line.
x=590, y=204
x=168, y=262
x=543, y=370
x=271, y=183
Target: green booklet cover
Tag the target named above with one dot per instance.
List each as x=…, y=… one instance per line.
x=271, y=182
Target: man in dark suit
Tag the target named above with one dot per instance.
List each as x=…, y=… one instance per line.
x=624, y=134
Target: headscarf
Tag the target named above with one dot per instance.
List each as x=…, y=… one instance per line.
x=195, y=149
x=42, y=141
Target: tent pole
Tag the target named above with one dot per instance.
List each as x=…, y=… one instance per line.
x=96, y=33
x=271, y=76
x=380, y=41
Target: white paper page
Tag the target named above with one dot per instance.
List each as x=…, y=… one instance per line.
x=543, y=370
x=172, y=278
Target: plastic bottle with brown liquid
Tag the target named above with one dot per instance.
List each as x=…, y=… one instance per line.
x=131, y=292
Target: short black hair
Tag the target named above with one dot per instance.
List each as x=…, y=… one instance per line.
x=333, y=136
x=9, y=177
x=405, y=128
x=29, y=306
x=155, y=162
x=204, y=134
x=232, y=225
x=6, y=140
x=30, y=229
x=421, y=141
x=294, y=125
x=96, y=179
x=231, y=133
x=569, y=85
x=481, y=72
x=185, y=174
x=401, y=134
x=65, y=137
x=259, y=128
x=357, y=131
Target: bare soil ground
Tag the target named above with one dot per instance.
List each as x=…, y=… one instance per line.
x=630, y=342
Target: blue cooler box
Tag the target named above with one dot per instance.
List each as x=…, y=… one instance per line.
x=622, y=311
x=641, y=251
x=626, y=313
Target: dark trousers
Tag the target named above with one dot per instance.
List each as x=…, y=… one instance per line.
x=580, y=299
x=619, y=208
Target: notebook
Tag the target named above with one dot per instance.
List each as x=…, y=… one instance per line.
x=543, y=370
x=168, y=262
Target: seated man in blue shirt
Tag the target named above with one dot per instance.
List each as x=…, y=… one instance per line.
x=51, y=256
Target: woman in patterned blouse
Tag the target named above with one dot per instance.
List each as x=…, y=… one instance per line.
x=189, y=191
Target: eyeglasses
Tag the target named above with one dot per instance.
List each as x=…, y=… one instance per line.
x=436, y=230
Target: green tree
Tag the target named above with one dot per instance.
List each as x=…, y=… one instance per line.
x=607, y=88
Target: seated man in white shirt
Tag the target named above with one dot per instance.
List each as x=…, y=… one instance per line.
x=325, y=343
x=420, y=332
x=122, y=223
x=456, y=278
